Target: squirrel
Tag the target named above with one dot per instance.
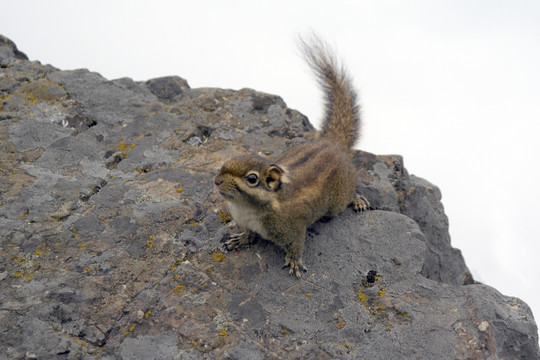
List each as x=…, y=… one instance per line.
x=280, y=199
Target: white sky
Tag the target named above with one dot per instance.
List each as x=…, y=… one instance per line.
x=453, y=86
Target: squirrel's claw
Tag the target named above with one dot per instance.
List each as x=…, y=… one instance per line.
x=360, y=203
x=238, y=240
x=296, y=266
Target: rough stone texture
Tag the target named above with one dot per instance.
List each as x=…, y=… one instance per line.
x=111, y=238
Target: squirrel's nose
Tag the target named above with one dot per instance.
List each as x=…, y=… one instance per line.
x=218, y=182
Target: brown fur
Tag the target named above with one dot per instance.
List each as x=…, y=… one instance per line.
x=342, y=112
x=279, y=200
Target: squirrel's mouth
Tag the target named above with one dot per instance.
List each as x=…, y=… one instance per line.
x=223, y=194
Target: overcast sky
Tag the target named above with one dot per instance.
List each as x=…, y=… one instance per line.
x=453, y=86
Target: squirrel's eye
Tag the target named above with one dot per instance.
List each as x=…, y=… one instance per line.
x=252, y=179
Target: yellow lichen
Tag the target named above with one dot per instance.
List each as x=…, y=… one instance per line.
x=18, y=259
x=26, y=212
x=180, y=190
x=179, y=289
x=130, y=330
x=29, y=277
x=147, y=314
x=223, y=332
x=404, y=314
x=381, y=292
x=377, y=309
x=31, y=98
x=362, y=297
x=219, y=257
x=81, y=341
x=122, y=146
x=224, y=217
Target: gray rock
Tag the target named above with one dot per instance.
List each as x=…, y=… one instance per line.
x=9, y=52
x=167, y=87
x=160, y=347
x=111, y=237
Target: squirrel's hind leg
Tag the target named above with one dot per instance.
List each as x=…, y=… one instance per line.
x=360, y=203
x=295, y=264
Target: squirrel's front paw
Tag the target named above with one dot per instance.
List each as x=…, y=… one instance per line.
x=238, y=240
x=296, y=266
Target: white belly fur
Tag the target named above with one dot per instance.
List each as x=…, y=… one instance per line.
x=246, y=217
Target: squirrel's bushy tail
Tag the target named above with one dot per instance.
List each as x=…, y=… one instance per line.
x=341, y=122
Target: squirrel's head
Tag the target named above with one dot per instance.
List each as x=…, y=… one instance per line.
x=249, y=178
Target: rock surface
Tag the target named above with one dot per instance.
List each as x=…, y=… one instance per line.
x=111, y=237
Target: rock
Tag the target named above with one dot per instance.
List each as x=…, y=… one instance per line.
x=111, y=237
x=9, y=52
x=167, y=87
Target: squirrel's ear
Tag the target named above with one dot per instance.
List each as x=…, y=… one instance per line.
x=273, y=176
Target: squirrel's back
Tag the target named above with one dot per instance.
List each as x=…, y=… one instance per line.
x=341, y=122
